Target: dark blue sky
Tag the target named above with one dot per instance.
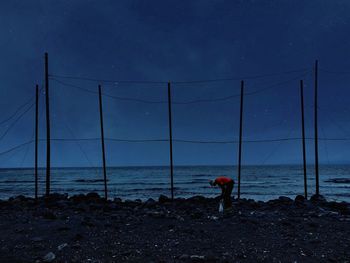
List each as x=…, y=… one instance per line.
x=176, y=41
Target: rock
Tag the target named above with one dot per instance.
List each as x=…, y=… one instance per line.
x=49, y=257
x=299, y=200
x=254, y=205
x=62, y=203
x=318, y=199
x=95, y=207
x=87, y=222
x=47, y=214
x=126, y=253
x=117, y=200
x=184, y=257
x=163, y=199
x=313, y=224
x=81, y=207
x=37, y=239
x=93, y=197
x=285, y=200
x=62, y=246
x=282, y=200
x=108, y=208
x=197, y=198
x=90, y=197
x=150, y=203
x=342, y=207
x=156, y=214
x=77, y=198
x=286, y=222
x=197, y=258
x=180, y=218
x=78, y=237
x=76, y=246
x=197, y=214
x=63, y=228
x=19, y=198
x=213, y=218
x=55, y=197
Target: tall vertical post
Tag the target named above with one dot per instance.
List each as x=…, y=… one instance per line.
x=36, y=139
x=170, y=143
x=303, y=134
x=102, y=141
x=48, y=145
x=240, y=141
x=316, y=129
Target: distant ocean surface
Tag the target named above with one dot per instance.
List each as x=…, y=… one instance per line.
x=258, y=182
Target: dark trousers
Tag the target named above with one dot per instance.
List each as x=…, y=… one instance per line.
x=226, y=194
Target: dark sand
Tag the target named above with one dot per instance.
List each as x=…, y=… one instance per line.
x=86, y=229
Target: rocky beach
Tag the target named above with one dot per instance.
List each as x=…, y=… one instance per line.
x=86, y=228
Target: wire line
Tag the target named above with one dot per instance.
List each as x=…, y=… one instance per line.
x=16, y=147
x=16, y=120
x=182, y=102
x=179, y=82
x=194, y=141
x=334, y=72
x=174, y=140
x=16, y=111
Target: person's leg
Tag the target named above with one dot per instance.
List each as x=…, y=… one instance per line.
x=228, y=192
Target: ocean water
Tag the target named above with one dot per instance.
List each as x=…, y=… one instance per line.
x=258, y=182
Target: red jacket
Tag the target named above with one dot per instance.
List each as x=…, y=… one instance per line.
x=222, y=180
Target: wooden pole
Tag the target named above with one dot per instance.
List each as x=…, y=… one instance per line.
x=240, y=141
x=170, y=143
x=102, y=142
x=303, y=134
x=316, y=130
x=48, y=145
x=36, y=139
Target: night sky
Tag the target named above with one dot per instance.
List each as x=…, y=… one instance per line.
x=152, y=42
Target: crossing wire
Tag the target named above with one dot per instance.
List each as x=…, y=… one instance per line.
x=16, y=111
x=15, y=121
x=78, y=144
x=183, y=102
x=179, y=82
x=32, y=137
x=107, y=95
x=16, y=147
x=275, y=149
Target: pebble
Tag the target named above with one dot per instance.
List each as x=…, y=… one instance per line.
x=62, y=246
x=37, y=239
x=49, y=257
x=213, y=218
x=180, y=218
x=184, y=257
x=197, y=258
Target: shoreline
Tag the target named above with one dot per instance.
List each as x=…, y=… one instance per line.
x=85, y=228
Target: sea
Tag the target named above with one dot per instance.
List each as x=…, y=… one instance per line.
x=130, y=183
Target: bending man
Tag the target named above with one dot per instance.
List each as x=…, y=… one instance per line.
x=226, y=184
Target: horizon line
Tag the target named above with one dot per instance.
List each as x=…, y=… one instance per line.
x=164, y=166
